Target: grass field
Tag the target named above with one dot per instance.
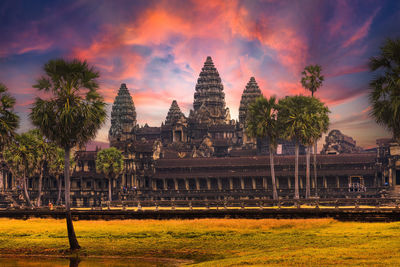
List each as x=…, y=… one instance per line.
x=213, y=242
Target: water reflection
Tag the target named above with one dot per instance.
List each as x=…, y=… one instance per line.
x=85, y=262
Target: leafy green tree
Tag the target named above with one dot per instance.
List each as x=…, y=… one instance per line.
x=43, y=150
x=21, y=157
x=302, y=119
x=70, y=116
x=261, y=123
x=110, y=162
x=312, y=81
x=385, y=87
x=8, y=123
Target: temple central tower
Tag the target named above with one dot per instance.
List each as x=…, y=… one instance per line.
x=123, y=116
x=209, y=98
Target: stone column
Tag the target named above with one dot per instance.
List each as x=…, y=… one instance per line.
x=208, y=184
x=300, y=182
x=197, y=184
x=337, y=181
x=289, y=183
x=253, y=181
x=154, y=184
x=165, y=184
x=265, y=184
x=242, y=183
x=276, y=182
x=123, y=178
x=187, y=183
x=176, y=184
x=325, y=182
x=2, y=180
x=219, y=183
x=376, y=179
x=230, y=183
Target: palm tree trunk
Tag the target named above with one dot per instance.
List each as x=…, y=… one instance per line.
x=109, y=190
x=26, y=194
x=59, y=190
x=271, y=161
x=315, y=168
x=73, y=242
x=308, y=172
x=39, y=200
x=296, y=173
x=2, y=184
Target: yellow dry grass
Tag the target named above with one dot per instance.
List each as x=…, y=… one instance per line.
x=214, y=242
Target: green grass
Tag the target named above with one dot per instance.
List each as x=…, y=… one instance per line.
x=213, y=242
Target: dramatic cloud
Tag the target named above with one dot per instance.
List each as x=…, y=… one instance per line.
x=158, y=49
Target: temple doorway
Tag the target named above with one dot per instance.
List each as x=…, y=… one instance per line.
x=397, y=177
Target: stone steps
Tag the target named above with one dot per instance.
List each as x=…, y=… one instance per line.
x=394, y=192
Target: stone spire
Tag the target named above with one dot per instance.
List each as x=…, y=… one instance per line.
x=123, y=116
x=174, y=114
x=250, y=94
x=209, y=98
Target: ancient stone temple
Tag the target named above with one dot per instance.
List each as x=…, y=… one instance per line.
x=250, y=94
x=175, y=127
x=123, y=117
x=209, y=98
x=174, y=114
x=337, y=143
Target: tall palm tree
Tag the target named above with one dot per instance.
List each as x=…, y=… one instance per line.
x=70, y=116
x=312, y=81
x=8, y=123
x=261, y=123
x=110, y=162
x=301, y=122
x=385, y=87
x=312, y=78
x=8, y=119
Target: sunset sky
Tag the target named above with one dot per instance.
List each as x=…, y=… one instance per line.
x=158, y=48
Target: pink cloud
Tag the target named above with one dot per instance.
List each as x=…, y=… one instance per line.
x=361, y=32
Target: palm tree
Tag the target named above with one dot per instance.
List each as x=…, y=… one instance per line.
x=8, y=123
x=302, y=121
x=8, y=119
x=312, y=81
x=71, y=116
x=320, y=122
x=43, y=151
x=385, y=87
x=56, y=167
x=21, y=157
x=261, y=123
x=110, y=162
x=312, y=78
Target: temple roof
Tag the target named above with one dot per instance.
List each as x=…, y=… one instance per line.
x=344, y=159
x=174, y=114
x=250, y=94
